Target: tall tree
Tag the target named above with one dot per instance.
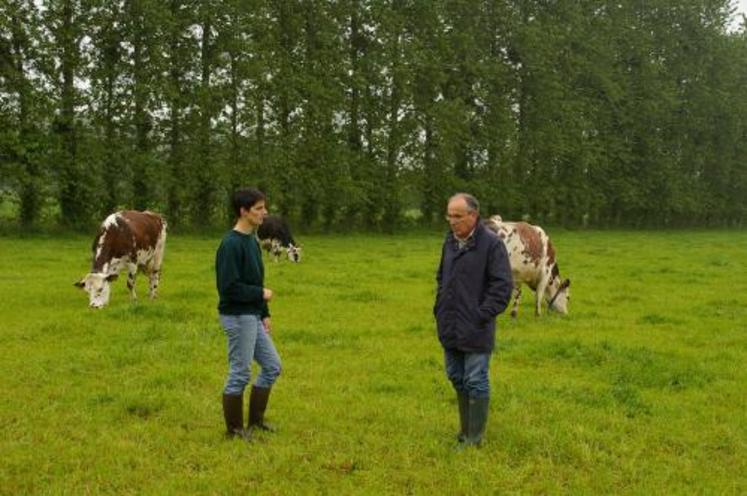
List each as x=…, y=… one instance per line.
x=283, y=97
x=106, y=74
x=143, y=69
x=67, y=23
x=22, y=137
x=396, y=40
x=179, y=49
x=204, y=193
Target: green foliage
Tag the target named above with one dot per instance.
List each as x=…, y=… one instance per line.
x=350, y=114
x=639, y=390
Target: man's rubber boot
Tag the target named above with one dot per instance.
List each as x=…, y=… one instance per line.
x=478, y=419
x=463, y=401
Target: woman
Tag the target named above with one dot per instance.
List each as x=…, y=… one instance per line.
x=245, y=316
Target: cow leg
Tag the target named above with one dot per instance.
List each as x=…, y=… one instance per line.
x=538, y=295
x=131, y=274
x=155, y=266
x=517, y=296
x=155, y=278
x=276, y=251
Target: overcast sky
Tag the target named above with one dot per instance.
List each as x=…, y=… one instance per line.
x=741, y=6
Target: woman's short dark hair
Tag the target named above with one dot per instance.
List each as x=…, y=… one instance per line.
x=246, y=198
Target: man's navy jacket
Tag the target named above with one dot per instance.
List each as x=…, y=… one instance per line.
x=474, y=286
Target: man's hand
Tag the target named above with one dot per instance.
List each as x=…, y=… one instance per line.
x=268, y=325
x=266, y=294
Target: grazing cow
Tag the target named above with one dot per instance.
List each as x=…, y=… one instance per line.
x=532, y=257
x=126, y=239
x=274, y=235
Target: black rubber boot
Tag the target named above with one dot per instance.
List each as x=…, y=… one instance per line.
x=463, y=401
x=257, y=406
x=478, y=419
x=233, y=412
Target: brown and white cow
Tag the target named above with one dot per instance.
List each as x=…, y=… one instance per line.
x=126, y=239
x=532, y=257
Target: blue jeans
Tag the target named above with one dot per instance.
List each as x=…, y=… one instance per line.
x=247, y=340
x=469, y=372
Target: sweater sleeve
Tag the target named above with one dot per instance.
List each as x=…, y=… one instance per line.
x=228, y=278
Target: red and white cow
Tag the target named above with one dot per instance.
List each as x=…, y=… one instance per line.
x=532, y=257
x=126, y=239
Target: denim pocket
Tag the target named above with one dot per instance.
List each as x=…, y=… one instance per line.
x=230, y=324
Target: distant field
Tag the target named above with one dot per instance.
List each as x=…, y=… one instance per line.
x=640, y=390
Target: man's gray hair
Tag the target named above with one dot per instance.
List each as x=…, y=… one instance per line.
x=472, y=204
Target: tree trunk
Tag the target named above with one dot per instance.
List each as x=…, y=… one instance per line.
x=72, y=198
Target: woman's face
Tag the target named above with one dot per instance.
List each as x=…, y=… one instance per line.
x=256, y=214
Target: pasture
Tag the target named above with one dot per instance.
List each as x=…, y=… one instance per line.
x=639, y=390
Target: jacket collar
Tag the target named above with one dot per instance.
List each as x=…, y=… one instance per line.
x=471, y=241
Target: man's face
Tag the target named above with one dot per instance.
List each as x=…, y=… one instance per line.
x=256, y=214
x=461, y=220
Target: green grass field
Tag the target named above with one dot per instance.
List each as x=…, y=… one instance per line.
x=642, y=389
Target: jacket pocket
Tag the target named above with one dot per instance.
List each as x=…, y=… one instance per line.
x=482, y=317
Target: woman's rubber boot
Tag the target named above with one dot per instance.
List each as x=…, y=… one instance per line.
x=233, y=413
x=257, y=406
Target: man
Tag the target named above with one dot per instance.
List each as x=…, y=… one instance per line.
x=245, y=316
x=474, y=286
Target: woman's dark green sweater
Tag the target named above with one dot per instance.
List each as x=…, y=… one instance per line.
x=239, y=276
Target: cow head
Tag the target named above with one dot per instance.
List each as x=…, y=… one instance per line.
x=98, y=288
x=294, y=253
x=558, y=294
x=493, y=223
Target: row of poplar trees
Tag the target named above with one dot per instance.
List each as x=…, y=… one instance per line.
x=370, y=113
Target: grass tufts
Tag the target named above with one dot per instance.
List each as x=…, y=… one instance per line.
x=639, y=390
